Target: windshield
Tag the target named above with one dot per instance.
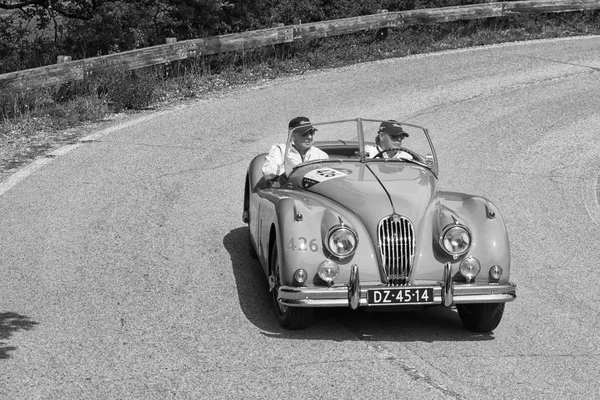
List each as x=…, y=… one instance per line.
x=360, y=140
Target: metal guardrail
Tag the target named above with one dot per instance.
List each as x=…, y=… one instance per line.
x=162, y=54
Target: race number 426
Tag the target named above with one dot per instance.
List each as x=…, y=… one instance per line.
x=302, y=244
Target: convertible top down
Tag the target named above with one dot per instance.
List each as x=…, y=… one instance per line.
x=363, y=230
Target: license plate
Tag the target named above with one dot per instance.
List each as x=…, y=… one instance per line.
x=398, y=296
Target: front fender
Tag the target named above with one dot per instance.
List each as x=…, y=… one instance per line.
x=490, y=244
x=302, y=227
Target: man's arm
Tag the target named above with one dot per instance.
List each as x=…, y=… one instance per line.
x=371, y=151
x=273, y=166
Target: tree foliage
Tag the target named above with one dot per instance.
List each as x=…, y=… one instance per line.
x=34, y=32
x=78, y=9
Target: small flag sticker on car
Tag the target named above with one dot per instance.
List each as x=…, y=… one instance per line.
x=321, y=175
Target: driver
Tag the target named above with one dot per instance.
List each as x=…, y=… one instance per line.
x=302, y=149
x=389, y=137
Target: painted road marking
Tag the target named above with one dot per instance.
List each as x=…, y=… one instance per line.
x=24, y=172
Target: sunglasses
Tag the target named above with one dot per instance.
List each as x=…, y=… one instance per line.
x=396, y=138
x=305, y=134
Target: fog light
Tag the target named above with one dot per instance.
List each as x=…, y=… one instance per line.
x=469, y=268
x=328, y=271
x=496, y=272
x=300, y=276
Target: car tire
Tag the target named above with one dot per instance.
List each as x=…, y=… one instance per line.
x=251, y=249
x=480, y=317
x=289, y=317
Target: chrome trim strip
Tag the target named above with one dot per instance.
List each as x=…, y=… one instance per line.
x=354, y=287
x=485, y=298
x=448, y=285
x=339, y=295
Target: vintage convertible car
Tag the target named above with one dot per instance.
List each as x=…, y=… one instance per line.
x=370, y=230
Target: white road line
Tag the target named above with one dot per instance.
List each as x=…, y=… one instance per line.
x=588, y=189
x=29, y=169
x=23, y=173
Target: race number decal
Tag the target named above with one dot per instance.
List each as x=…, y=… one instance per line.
x=322, y=175
x=302, y=244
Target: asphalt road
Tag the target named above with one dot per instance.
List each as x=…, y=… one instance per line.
x=124, y=268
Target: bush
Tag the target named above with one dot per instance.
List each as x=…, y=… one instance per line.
x=132, y=90
x=14, y=45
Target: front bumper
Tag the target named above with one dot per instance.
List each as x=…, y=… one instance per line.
x=354, y=295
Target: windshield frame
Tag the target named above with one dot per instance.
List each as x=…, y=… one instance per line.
x=362, y=154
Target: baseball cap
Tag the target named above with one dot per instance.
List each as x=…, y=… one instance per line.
x=301, y=122
x=392, y=128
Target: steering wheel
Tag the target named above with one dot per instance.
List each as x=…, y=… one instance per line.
x=412, y=153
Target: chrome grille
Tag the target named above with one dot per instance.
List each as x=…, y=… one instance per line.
x=397, y=247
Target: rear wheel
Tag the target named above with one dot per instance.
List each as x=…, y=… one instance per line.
x=288, y=317
x=480, y=317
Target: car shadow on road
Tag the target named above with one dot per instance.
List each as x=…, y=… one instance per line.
x=10, y=323
x=418, y=325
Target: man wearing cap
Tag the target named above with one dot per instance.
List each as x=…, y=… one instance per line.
x=389, y=137
x=302, y=149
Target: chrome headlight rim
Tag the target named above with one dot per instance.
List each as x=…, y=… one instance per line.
x=346, y=230
x=470, y=268
x=447, y=229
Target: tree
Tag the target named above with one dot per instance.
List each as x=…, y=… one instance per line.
x=77, y=9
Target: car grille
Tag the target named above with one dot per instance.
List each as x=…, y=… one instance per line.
x=397, y=247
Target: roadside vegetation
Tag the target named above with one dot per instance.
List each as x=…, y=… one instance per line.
x=34, y=122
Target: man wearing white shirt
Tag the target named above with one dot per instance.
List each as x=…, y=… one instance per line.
x=388, y=139
x=302, y=149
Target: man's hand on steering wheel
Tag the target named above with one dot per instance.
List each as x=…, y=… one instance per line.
x=382, y=152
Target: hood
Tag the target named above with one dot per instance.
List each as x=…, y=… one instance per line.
x=374, y=190
x=410, y=187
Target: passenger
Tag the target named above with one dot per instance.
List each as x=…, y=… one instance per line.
x=302, y=149
x=389, y=137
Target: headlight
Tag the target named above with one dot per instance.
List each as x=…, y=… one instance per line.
x=328, y=271
x=342, y=241
x=469, y=268
x=456, y=240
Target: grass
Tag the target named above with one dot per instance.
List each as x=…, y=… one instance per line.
x=33, y=123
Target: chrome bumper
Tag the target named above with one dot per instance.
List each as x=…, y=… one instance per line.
x=354, y=295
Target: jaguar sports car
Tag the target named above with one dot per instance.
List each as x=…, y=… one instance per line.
x=369, y=227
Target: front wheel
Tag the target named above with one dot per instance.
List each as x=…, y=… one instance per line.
x=246, y=219
x=288, y=317
x=480, y=317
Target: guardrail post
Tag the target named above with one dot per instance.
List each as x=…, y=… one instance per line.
x=381, y=33
x=62, y=59
x=282, y=48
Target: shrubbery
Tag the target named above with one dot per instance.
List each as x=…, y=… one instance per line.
x=36, y=34
x=124, y=26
